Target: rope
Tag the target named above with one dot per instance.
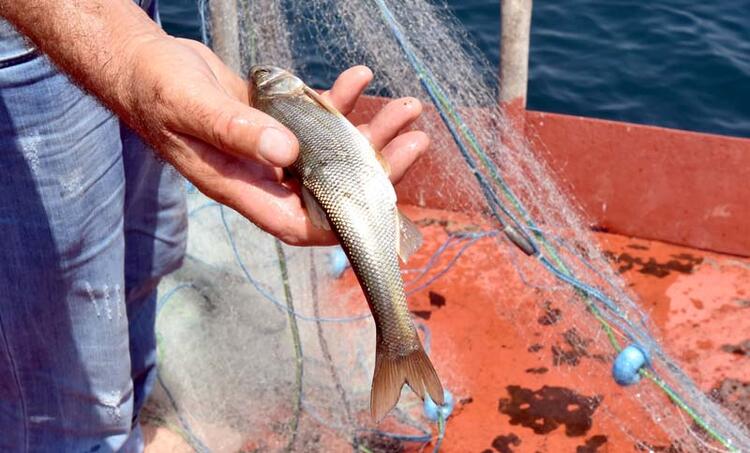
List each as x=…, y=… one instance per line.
x=462, y=134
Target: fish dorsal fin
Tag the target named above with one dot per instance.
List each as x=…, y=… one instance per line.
x=314, y=210
x=315, y=96
x=409, y=236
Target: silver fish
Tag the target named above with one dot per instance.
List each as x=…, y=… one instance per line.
x=346, y=189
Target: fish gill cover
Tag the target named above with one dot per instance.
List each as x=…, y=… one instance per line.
x=262, y=348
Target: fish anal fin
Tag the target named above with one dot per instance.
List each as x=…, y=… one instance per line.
x=409, y=237
x=314, y=210
x=391, y=373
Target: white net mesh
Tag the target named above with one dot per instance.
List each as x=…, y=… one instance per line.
x=234, y=377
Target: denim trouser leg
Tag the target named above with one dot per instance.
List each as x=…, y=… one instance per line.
x=155, y=238
x=89, y=221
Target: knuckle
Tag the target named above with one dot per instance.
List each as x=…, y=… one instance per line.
x=221, y=128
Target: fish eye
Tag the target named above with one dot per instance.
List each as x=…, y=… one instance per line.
x=261, y=72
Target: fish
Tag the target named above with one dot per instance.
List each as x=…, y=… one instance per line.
x=345, y=187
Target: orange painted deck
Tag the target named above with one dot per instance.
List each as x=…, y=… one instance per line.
x=519, y=398
x=675, y=205
x=515, y=394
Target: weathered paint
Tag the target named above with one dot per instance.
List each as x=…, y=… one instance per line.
x=508, y=355
x=514, y=49
x=676, y=186
x=651, y=182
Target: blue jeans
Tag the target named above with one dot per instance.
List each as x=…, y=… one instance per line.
x=89, y=222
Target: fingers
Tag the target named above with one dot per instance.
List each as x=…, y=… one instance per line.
x=279, y=211
x=236, y=128
x=212, y=107
x=348, y=87
x=390, y=120
x=403, y=151
x=255, y=191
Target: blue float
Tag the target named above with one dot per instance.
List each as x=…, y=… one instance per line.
x=338, y=262
x=431, y=410
x=627, y=365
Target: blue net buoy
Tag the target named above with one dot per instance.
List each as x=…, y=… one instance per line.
x=431, y=409
x=627, y=365
x=338, y=261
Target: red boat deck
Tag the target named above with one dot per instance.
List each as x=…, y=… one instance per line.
x=655, y=188
x=515, y=395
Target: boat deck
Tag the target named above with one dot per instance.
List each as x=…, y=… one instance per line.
x=511, y=364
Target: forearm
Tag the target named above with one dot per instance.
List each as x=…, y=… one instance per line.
x=94, y=41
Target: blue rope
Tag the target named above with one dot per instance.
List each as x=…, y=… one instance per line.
x=523, y=240
x=468, y=239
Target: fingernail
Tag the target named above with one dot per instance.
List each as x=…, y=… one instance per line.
x=275, y=147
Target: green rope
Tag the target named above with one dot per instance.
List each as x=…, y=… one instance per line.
x=446, y=106
x=297, y=408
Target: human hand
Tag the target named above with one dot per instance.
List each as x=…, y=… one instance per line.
x=194, y=111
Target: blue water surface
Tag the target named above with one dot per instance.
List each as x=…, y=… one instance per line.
x=673, y=63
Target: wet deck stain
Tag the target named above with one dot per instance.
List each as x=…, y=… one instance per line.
x=544, y=410
x=735, y=396
x=738, y=349
x=378, y=442
x=645, y=446
x=536, y=347
x=436, y=299
x=503, y=444
x=551, y=315
x=575, y=348
x=683, y=263
x=540, y=370
x=424, y=314
x=429, y=221
x=592, y=444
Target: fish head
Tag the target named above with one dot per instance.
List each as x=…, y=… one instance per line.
x=268, y=81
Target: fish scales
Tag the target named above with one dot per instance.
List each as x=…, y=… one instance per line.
x=335, y=171
x=339, y=167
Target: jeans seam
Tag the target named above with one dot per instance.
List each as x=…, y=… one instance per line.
x=14, y=370
x=23, y=58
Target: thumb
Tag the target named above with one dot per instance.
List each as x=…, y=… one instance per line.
x=241, y=130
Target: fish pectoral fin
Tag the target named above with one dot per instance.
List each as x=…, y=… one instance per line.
x=409, y=237
x=314, y=210
x=315, y=96
x=391, y=373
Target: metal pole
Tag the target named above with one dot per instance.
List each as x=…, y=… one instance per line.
x=225, y=38
x=514, y=50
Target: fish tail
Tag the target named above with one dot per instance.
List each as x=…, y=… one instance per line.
x=391, y=373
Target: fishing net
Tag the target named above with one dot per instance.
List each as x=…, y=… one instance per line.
x=266, y=347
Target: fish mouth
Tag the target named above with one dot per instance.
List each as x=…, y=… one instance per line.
x=270, y=81
x=263, y=75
